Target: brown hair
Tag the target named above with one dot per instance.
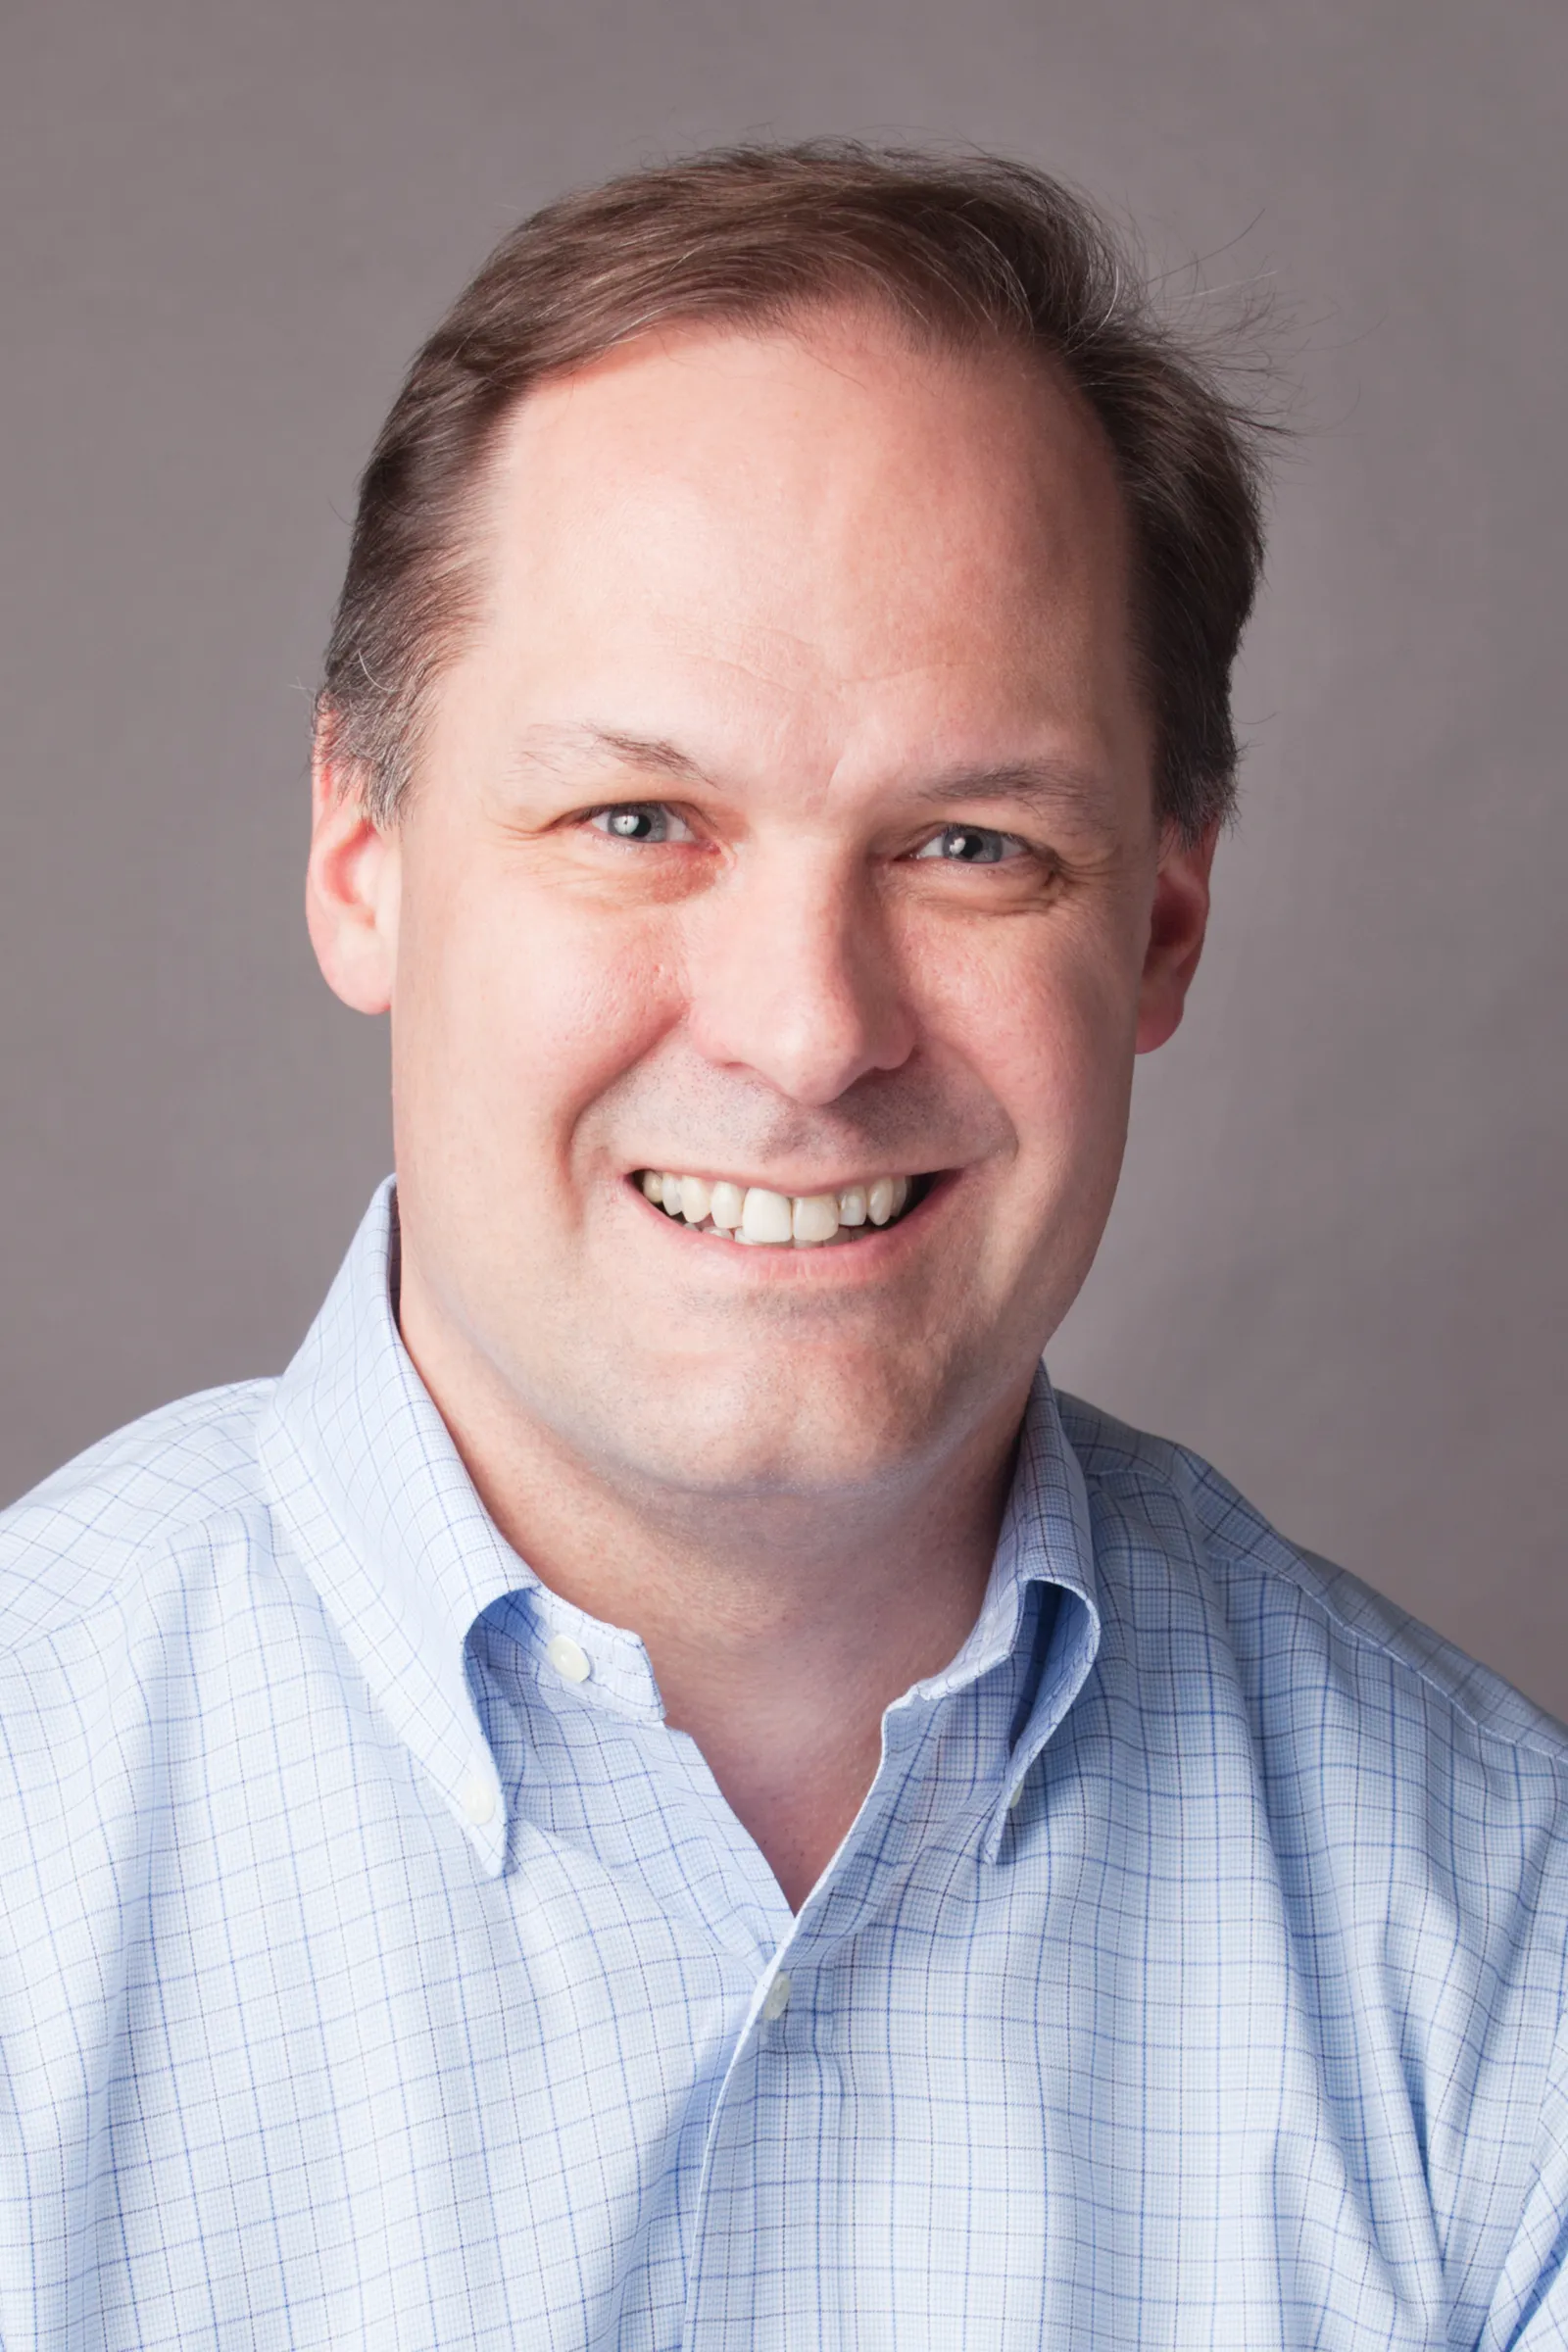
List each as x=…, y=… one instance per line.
x=961, y=251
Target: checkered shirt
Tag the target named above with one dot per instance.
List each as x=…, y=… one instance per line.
x=379, y=1969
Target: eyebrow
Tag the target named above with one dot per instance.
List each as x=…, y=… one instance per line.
x=1044, y=786
x=556, y=748
x=1047, y=786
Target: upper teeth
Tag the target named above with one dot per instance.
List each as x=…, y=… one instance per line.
x=752, y=1213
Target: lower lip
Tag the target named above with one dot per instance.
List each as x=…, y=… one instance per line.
x=822, y=1261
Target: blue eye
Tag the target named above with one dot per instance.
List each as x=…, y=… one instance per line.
x=969, y=845
x=641, y=821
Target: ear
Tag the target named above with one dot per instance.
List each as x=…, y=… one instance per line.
x=1177, y=921
x=351, y=884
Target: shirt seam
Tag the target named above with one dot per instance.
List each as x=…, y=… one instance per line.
x=1217, y=1549
x=120, y=1586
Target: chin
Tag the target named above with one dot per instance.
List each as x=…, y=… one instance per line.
x=769, y=1435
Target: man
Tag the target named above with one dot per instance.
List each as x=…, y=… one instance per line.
x=659, y=1787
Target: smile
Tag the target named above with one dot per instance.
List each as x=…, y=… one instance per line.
x=753, y=1214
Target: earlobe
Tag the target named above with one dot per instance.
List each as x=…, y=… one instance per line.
x=1178, y=920
x=351, y=889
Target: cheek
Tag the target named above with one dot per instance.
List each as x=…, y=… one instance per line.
x=1063, y=1067
x=1043, y=1010
x=516, y=1010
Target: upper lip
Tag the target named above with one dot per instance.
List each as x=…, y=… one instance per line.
x=797, y=1187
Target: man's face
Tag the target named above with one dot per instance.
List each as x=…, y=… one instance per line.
x=785, y=823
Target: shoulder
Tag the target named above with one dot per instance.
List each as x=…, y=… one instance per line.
x=183, y=1479
x=1285, y=1606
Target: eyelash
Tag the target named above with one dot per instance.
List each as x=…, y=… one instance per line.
x=602, y=819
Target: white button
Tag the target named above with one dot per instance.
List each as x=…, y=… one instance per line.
x=568, y=1660
x=1016, y=1798
x=478, y=1798
x=776, y=1999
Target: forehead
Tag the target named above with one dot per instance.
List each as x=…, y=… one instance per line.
x=826, y=523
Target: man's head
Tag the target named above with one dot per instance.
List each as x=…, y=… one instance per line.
x=774, y=735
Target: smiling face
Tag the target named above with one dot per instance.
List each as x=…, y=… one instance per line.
x=785, y=827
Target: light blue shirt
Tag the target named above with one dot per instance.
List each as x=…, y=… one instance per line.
x=377, y=1968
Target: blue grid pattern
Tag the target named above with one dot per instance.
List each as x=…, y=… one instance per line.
x=365, y=1982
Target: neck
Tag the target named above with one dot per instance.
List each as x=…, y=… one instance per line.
x=779, y=1627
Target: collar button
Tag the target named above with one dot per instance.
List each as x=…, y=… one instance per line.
x=570, y=1660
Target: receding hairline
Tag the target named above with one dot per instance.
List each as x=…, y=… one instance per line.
x=813, y=323
x=821, y=322
x=955, y=251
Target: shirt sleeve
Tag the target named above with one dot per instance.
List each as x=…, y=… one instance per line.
x=1529, y=2311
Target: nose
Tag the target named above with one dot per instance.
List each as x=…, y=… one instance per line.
x=793, y=975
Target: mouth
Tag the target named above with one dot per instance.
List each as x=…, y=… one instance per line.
x=750, y=1214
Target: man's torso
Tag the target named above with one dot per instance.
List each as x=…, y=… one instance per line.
x=1239, y=2029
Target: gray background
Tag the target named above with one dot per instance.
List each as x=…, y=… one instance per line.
x=1336, y=1265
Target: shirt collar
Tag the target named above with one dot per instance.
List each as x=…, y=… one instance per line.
x=1047, y=1539
x=388, y=1525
